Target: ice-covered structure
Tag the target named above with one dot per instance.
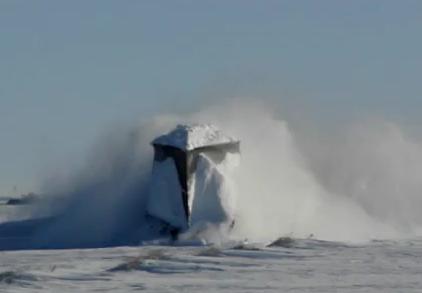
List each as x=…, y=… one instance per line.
x=190, y=181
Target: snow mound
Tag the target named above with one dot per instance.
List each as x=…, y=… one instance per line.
x=190, y=137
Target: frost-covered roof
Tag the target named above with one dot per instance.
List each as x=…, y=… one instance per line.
x=189, y=137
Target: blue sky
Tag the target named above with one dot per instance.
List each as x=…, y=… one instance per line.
x=70, y=69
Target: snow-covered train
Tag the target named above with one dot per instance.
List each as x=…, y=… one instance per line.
x=190, y=186
x=190, y=183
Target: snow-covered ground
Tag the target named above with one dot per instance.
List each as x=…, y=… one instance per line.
x=301, y=266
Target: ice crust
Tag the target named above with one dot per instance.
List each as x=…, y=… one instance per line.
x=190, y=137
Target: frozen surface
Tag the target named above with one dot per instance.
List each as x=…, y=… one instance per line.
x=305, y=266
x=189, y=137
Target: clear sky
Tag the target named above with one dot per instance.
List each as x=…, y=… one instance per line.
x=69, y=69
